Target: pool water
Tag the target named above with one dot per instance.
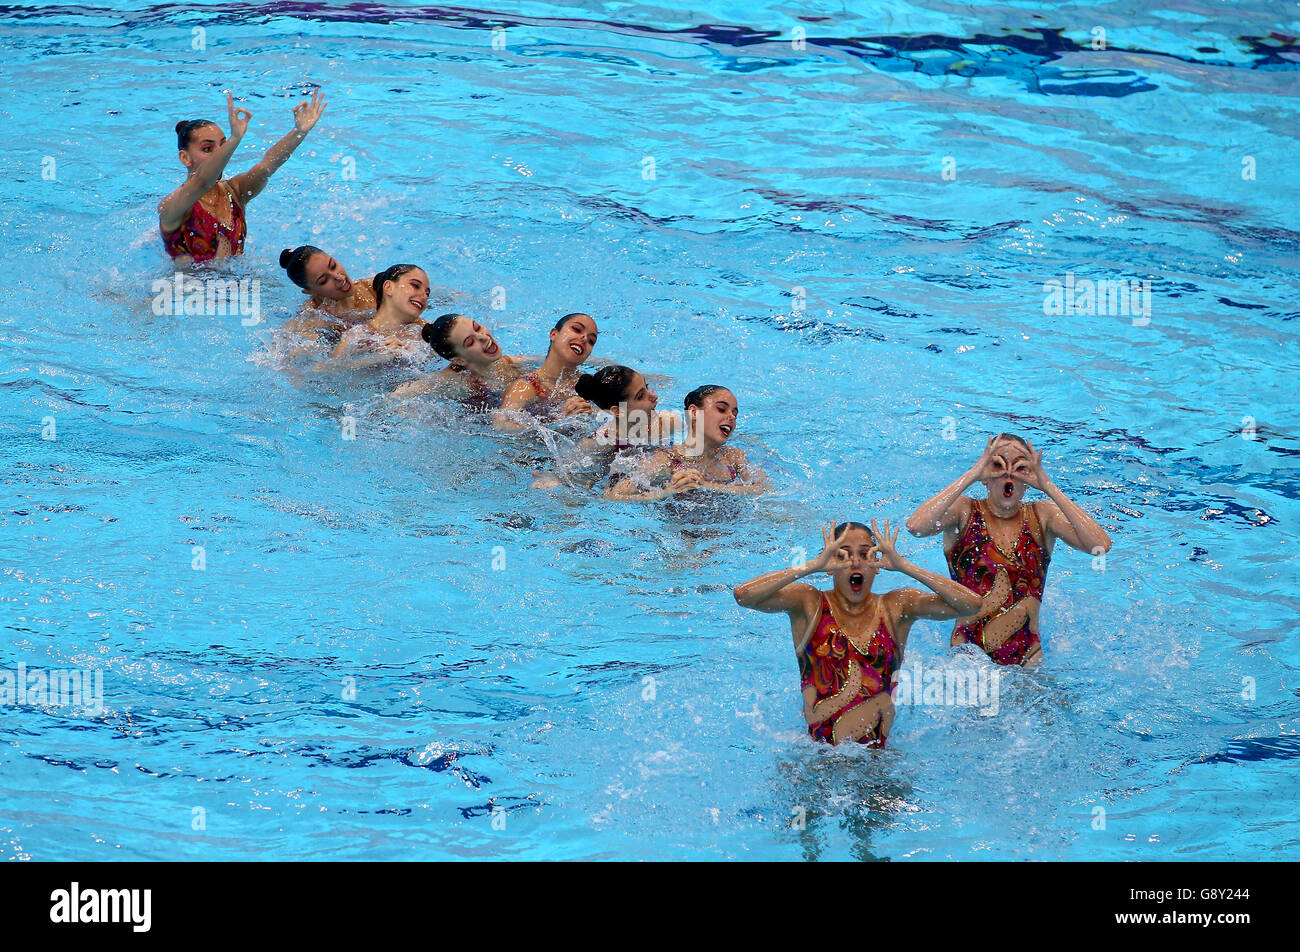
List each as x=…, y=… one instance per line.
x=394, y=649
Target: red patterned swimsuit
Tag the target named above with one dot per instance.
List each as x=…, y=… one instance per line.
x=975, y=562
x=828, y=662
x=199, y=236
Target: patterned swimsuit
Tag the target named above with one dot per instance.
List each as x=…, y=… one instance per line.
x=975, y=562
x=827, y=663
x=199, y=236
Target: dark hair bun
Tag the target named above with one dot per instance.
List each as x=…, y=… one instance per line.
x=181, y=125
x=285, y=257
x=429, y=334
x=587, y=387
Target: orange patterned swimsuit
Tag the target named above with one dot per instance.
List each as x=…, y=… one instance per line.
x=976, y=561
x=834, y=664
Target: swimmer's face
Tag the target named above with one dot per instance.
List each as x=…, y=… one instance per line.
x=1006, y=489
x=715, y=420
x=326, y=278
x=203, y=142
x=409, y=294
x=853, y=582
x=474, y=344
x=639, y=398
x=575, y=340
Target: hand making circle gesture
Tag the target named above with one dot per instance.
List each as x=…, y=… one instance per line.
x=308, y=111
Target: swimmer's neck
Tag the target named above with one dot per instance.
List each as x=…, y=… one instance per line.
x=1004, y=515
x=867, y=607
x=555, y=371
x=386, y=321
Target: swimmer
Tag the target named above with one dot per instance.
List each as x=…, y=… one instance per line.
x=1001, y=546
x=849, y=640
x=636, y=424
x=336, y=302
x=704, y=461
x=551, y=385
x=204, y=218
x=478, y=368
x=401, y=295
x=626, y=395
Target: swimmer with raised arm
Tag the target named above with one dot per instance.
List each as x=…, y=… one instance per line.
x=478, y=370
x=704, y=461
x=1000, y=546
x=401, y=295
x=549, y=388
x=849, y=640
x=204, y=218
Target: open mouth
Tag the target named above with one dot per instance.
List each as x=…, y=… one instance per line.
x=726, y=429
x=1008, y=488
x=346, y=287
x=577, y=349
x=855, y=583
x=491, y=350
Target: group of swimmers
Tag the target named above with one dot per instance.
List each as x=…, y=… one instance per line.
x=849, y=640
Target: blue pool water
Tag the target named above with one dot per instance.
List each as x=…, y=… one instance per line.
x=351, y=677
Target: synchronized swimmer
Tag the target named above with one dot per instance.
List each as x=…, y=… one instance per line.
x=849, y=640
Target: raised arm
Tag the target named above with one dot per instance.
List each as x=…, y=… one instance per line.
x=954, y=599
x=249, y=184
x=1065, y=520
x=175, y=208
x=947, y=508
x=773, y=591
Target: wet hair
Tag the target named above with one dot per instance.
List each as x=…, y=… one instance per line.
x=845, y=526
x=294, y=261
x=391, y=273
x=1015, y=439
x=186, y=128
x=568, y=317
x=697, y=396
x=438, y=335
x=607, y=386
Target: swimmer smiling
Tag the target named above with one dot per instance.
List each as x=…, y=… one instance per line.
x=1001, y=546
x=401, y=295
x=704, y=461
x=478, y=369
x=549, y=388
x=336, y=302
x=849, y=640
x=204, y=218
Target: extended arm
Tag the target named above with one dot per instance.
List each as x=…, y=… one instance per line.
x=250, y=183
x=175, y=208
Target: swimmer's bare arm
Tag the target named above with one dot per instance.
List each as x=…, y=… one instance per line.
x=659, y=469
x=248, y=184
x=948, y=509
x=517, y=397
x=1061, y=517
x=414, y=388
x=952, y=599
x=777, y=591
x=750, y=480
x=175, y=208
